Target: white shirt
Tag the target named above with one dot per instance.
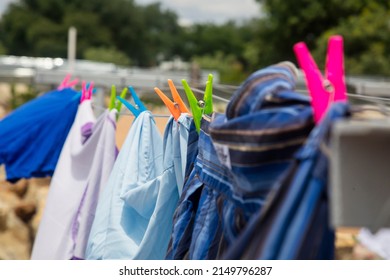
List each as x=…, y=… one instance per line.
x=82, y=171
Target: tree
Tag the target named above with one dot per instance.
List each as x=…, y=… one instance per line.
x=230, y=48
x=39, y=28
x=367, y=41
x=110, y=55
x=229, y=67
x=363, y=23
x=2, y=49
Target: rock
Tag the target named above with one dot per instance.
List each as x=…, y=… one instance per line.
x=37, y=194
x=2, y=172
x=25, y=211
x=8, y=199
x=20, y=187
x=15, y=241
x=360, y=252
x=39, y=182
x=3, y=217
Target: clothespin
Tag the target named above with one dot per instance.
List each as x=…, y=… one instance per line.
x=113, y=101
x=140, y=107
x=326, y=90
x=86, y=91
x=177, y=107
x=200, y=107
x=66, y=83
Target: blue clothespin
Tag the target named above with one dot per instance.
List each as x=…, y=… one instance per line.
x=94, y=90
x=140, y=106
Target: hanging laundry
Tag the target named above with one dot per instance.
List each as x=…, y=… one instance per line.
x=205, y=171
x=120, y=225
x=32, y=136
x=83, y=170
x=249, y=148
x=187, y=202
x=265, y=124
x=378, y=242
x=294, y=224
x=146, y=195
x=180, y=144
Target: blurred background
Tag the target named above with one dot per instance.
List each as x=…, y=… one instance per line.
x=145, y=42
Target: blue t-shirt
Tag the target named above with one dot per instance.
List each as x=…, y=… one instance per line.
x=32, y=136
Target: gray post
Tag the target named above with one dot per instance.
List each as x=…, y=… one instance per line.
x=72, y=41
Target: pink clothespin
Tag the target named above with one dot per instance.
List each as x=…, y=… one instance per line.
x=326, y=90
x=86, y=93
x=66, y=83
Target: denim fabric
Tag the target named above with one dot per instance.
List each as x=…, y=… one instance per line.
x=249, y=148
x=207, y=241
x=180, y=145
x=257, y=141
x=309, y=235
x=294, y=222
x=188, y=202
x=192, y=151
x=197, y=231
x=127, y=207
x=250, y=97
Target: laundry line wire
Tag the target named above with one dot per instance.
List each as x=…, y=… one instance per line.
x=125, y=113
x=101, y=108
x=230, y=89
x=371, y=98
x=196, y=90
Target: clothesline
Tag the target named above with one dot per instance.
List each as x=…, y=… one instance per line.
x=360, y=96
x=158, y=185
x=101, y=108
x=374, y=99
x=353, y=95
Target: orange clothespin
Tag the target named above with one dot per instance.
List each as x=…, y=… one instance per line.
x=326, y=90
x=177, y=107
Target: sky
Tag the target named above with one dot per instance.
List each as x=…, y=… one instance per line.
x=216, y=11
x=199, y=11
x=4, y=4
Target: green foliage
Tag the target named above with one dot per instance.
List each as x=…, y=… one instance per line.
x=19, y=98
x=40, y=28
x=107, y=55
x=3, y=50
x=364, y=25
x=367, y=41
x=230, y=69
x=230, y=48
x=122, y=32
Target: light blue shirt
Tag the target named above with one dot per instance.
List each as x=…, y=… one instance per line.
x=181, y=131
x=134, y=215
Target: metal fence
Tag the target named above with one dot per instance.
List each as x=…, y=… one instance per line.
x=50, y=72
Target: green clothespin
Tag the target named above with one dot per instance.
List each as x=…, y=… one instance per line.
x=113, y=101
x=208, y=96
x=205, y=106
